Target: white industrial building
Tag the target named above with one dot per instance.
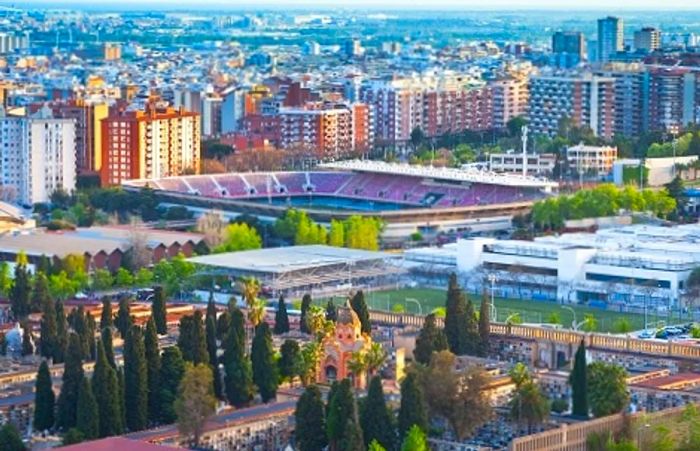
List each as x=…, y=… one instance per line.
x=37, y=156
x=633, y=265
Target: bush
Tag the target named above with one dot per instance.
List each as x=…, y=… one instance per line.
x=59, y=224
x=416, y=236
x=560, y=405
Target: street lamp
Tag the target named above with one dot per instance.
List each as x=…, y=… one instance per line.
x=574, y=324
x=494, y=313
x=420, y=307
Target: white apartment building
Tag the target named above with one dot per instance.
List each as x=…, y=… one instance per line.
x=512, y=162
x=37, y=156
x=584, y=159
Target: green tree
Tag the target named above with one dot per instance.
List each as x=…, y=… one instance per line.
x=172, y=370
x=484, y=326
x=19, y=294
x=152, y=353
x=352, y=439
x=579, y=383
x=159, y=311
x=101, y=279
x=212, y=350
x=192, y=339
x=106, y=337
x=287, y=364
x=331, y=311
x=375, y=418
x=44, y=399
x=72, y=378
x=415, y=440
x=10, y=440
x=238, y=380
x=61, y=333
x=123, y=321
x=359, y=305
x=310, y=431
x=27, y=340
x=40, y=292
x=87, y=421
x=265, y=374
x=429, y=340
x=413, y=411
x=106, y=319
x=305, y=305
x=607, y=388
x=5, y=279
x=49, y=329
x=341, y=411
x=135, y=380
x=336, y=236
x=195, y=403
x=281, y=318
x=456, y=321
x=106, y=389
x=239, y=237
x=529, y=406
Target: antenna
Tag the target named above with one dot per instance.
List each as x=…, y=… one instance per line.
x=523, y=131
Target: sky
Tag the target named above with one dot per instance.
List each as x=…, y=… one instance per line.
x=374, y=4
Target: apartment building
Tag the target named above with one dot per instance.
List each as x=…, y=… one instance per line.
x=569, y=47
x=584, y=159
x=157, y=142
x=510, y=99
x=610, y=37
x=87, y=115
x=586, y=99
x=331, y=130
x=37, y=156
x=648, y=39
x=631, y=97
x=450, y=103
x=674, y=98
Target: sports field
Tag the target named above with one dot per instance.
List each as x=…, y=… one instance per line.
x=528, y=311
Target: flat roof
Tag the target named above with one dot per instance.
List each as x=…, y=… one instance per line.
x=115, y=444
x=280, y=260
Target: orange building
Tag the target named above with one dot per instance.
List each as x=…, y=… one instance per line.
x=158, y=142
x=88, y=131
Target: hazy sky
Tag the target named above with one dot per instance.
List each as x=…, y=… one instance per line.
x=375, y=4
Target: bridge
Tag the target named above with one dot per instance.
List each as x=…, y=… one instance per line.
x=558, y=340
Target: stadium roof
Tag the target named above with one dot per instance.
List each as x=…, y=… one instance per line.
x=282, y=260
x=471, y=175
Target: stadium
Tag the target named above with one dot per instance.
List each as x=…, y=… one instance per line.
x=408, y=198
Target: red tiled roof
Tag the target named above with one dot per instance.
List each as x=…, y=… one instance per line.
x=115, y=444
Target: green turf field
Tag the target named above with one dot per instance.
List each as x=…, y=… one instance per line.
x=529, y=311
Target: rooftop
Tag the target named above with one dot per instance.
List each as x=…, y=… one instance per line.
x=114, y=444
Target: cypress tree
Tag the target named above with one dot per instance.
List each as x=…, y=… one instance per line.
x=310, y=431
x=238, y=380
x=289, y=355
x=87, y=420
x=49, y=328
x=172, y=369
x=359, y=305
x=19, y=293
x=153, y=370
x=456, y=318
x=223, y=323
x=237, y=325
x=105, y=386
x=413, y=409
x=90, y=337
x=472, y=345
x=44, y=399
x=135, y=380
x=72, y=378
x=331, y=311
x=192, y=340
x=484, y=326
x=211, y=307
x=27, y=340
x=106, y=316
x=281, y=318
x=265, y=373
x=305, y=305
x=159, y=310
x=108, y=347
x=579, y=383
x=341, y=410
x=10, y=440
x=40, y=292
x=122, y=399
x=376, y=419
x=123, y=320
x=352, y=437
x=212, y=350
x=430, y=339
x=61, y=333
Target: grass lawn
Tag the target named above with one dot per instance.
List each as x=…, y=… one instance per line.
x=529, y=311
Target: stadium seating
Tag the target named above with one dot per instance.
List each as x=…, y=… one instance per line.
x=399, y=188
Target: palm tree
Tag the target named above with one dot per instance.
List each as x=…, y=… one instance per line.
x=318, y=324
x=375, y=358
x=358, y=363
x=256, y=312
x=307, y=362
x=529, y=406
